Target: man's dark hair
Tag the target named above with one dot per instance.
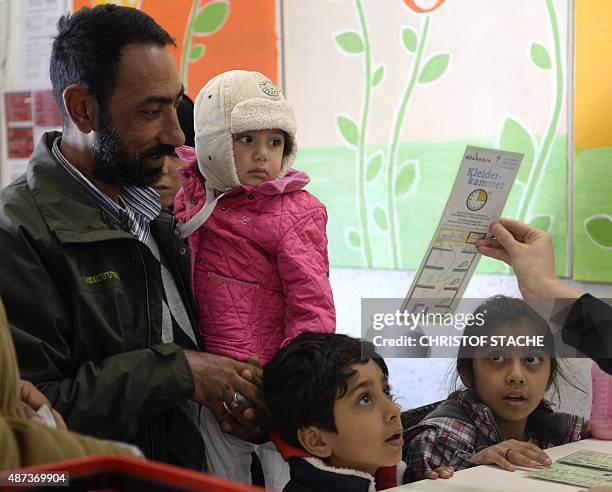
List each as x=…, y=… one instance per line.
x=87, y=48
x=304, y=379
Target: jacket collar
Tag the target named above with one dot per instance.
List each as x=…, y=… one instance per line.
x=69, y=211
x=312, y=471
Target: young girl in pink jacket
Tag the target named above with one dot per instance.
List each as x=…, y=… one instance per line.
x=257, y=238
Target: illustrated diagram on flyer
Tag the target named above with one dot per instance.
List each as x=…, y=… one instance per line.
x=477, y=199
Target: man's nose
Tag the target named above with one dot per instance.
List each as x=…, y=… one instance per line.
x=172, y=134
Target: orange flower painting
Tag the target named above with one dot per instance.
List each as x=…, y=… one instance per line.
x=212, y=36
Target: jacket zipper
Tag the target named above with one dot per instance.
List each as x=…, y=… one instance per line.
x=146, y=278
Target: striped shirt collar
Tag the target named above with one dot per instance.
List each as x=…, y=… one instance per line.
x=142, y=205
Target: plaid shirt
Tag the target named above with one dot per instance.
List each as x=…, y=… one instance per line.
x=445, y=441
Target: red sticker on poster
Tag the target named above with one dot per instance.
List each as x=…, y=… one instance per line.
x=18, y=106
x=46, y=112
x=20, y=142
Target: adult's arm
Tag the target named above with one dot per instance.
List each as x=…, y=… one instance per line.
x=586, y=321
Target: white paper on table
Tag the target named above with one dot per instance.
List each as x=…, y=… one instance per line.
x=477, y=199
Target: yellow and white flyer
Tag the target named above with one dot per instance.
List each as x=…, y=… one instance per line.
x=477, y=200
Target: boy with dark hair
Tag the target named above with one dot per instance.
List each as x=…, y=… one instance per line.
x=339, y=427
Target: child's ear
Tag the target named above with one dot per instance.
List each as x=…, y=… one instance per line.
x=313, y=440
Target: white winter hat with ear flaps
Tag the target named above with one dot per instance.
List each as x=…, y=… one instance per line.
x=234, y=102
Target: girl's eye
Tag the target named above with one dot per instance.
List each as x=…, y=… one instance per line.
x=365, y=399
x=533, y=360
x=275, y=142
x=245, y=139
x=497, y=358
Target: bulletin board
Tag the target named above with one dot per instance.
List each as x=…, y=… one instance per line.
x=593, y=142
x=212, y=36
x=388, y=98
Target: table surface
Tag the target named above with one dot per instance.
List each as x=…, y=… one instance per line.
x=492, y=478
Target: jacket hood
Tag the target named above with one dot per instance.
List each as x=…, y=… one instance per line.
x=234, y=102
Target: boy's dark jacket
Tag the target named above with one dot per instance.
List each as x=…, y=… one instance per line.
x=464, y=425
x=310, y=474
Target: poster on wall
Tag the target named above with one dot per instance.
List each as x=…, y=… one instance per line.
x=213, y=36
x=39, y=26
x=593, y=143
x=388, y=95
x=27, y=115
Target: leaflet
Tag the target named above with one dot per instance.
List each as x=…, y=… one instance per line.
x=583, y=468
x=477, y=199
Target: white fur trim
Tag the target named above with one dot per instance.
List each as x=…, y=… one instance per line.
x=233, y=102
x=400, y=470
x=318, y=463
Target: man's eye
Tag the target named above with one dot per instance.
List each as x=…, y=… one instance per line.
x=151, y=113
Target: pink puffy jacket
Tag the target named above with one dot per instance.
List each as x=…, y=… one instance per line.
x=259, y=263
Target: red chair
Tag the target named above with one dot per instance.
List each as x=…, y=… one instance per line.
x=111, y=473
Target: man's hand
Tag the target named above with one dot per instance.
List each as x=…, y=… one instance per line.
x=509, y=453
x=217, y=378
x=440, y=472
x=529, y=252
x=32, y=399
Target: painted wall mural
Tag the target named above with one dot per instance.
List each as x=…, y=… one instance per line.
x=212, y=36
x=593, y=143
x=402, y=90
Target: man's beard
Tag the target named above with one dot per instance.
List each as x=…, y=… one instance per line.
x=113, y=164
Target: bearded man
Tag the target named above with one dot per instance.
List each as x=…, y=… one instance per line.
x=95, y=281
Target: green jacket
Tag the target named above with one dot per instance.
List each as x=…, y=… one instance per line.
x=84, y=306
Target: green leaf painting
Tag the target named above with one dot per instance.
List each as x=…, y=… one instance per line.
x=543, y=222
x=196, y=52
x=378, y=75
x=434, y=68
x=405, y=179
x=354, y=239
x=409, y=38
x=516, y=138
x=599, y=229
x=210, y=18
x=348, y=129
x=540, y=56
x=350, y=41
x=374, y=166
x=380, y=218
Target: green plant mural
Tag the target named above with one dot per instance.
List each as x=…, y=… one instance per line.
x=517, y=137
x=393, y=180
x=202, y=21
x=369, y=167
